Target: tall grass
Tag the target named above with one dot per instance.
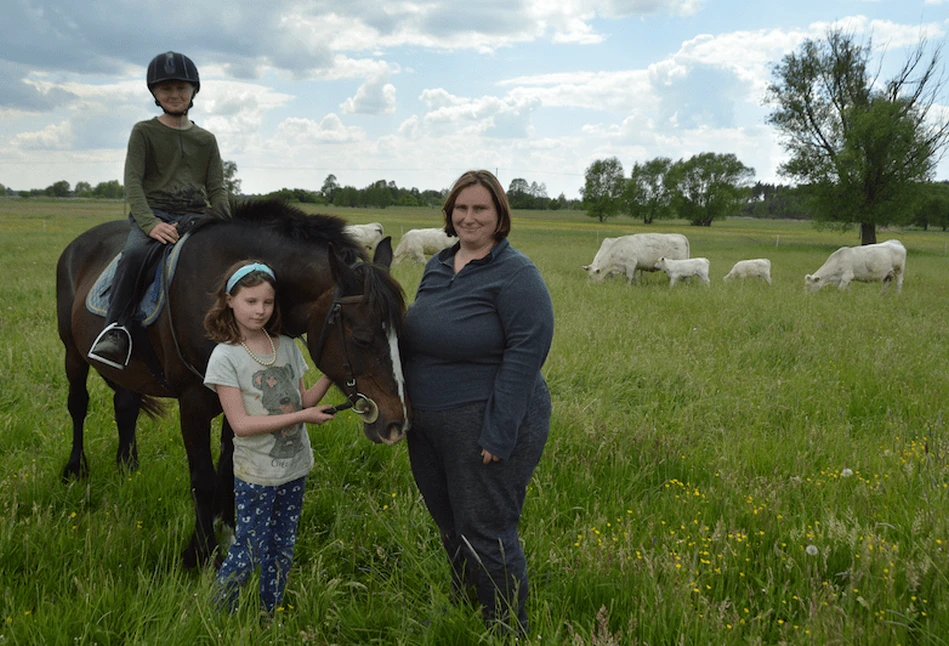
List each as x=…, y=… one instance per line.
x=727, y=465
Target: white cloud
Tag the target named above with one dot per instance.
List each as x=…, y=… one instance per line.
x=55, y=136
x=303, y=132
x=491, y=116
x=375, y=96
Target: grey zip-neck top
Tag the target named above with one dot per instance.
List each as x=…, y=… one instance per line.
x=480, y=335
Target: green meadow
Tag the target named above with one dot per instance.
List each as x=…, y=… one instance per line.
x=733, y=464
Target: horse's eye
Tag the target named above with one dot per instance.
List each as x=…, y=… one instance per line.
x=363, y=340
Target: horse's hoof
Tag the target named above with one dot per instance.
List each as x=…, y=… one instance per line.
x=75, y=471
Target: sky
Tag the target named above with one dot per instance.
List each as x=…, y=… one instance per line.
x=416, y=92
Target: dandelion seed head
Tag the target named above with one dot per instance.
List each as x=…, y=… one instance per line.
x=846, y=473
x=812, y=550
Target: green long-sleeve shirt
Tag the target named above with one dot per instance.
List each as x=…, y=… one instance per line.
x=178, y=171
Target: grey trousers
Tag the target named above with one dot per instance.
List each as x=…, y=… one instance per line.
x=129, y=280
x=477, y=507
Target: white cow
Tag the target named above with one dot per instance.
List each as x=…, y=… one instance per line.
x=756, y=268
x=417, y=243
x=677, y=269
x=640, y=251
x=884, y=261
x=366, y=235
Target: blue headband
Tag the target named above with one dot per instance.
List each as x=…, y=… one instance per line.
x=243, y=271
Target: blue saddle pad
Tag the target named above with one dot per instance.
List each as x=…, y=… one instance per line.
x=97, y=300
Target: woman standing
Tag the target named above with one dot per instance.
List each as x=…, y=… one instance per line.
x=475, y=340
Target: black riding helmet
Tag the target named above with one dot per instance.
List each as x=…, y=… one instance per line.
x=172, y=66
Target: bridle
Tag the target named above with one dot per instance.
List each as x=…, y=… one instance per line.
x=362, y=405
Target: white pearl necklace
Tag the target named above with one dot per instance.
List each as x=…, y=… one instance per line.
x=273, y=351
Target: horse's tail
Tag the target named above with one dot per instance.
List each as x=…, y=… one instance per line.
x=154, y=407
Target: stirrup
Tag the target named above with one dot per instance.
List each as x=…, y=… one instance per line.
x=112, y=327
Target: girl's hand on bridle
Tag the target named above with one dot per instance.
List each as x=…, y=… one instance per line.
x=318, y=414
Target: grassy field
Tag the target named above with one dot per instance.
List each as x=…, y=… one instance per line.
x=727, y=465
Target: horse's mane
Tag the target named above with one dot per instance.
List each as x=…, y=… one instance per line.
x=384, y=292
x=278, y=217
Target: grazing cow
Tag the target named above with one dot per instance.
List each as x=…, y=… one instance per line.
x=757, y=268
x=367, y=235
x=417, y=243
x=884, y=261
x=676, y=269
x=637, y=252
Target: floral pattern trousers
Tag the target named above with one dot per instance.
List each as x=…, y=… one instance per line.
x=266, y=532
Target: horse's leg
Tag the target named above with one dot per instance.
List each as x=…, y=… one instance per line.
x=196, y=415
x=127, y=406
x=77, y=402
x=224, y=505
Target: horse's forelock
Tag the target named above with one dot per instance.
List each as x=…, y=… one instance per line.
x=384, y=293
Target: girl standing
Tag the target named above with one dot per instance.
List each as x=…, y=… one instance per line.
x=258, y=375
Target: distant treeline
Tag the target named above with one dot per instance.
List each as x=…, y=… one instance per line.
x=778, y=202
x=767, y=201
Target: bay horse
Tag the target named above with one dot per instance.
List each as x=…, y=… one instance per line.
x=351, y=311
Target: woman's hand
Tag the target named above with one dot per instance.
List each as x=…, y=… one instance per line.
x=487, y=457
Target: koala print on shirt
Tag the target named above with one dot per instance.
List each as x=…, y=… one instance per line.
x=280, y=394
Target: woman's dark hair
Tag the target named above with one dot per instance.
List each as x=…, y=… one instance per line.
x=489, y=181
x=220, y=322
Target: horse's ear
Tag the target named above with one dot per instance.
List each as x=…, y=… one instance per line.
x=343, y=275
x=383, y=254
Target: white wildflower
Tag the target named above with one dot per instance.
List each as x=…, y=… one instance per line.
x=812, y=550
x=846, y=473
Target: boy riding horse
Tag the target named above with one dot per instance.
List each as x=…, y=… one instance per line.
x=173, y=171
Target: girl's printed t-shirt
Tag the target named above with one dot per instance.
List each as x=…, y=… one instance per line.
x=268, y=458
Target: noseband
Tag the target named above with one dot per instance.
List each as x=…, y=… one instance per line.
x=360, y=403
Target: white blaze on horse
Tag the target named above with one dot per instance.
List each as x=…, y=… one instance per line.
x=418, y=243
x=883, y=262
x=635, y=253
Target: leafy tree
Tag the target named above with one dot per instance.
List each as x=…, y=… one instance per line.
x=83, y=189
x=346, y=196
x=58, y=189
x=519, y=195
x=109, y=190
x=518, y=185
x=604, y=187
x=709, y=186
x=863, y=146
x=330, y=186
x=648, y=192
x=376, y=194
x=932, y=209
x=295, y=195
x=770, y=201
x=231, y=183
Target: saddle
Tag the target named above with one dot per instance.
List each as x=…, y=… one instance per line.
x=153, y=295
